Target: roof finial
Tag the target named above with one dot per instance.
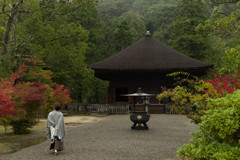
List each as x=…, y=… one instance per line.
x=139, y=90
x=148, y=33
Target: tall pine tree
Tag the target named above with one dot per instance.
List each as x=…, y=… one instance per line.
x=122, y=36
x=185, y=36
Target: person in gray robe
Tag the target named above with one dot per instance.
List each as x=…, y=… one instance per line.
x=56, y=130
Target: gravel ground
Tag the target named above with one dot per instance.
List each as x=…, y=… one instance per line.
x=112, y=139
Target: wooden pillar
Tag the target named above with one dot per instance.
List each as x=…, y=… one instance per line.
x=111, y=94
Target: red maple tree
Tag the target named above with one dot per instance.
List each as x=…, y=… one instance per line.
x=6, y=106
x=17, y=95
x=61, y=95
x=226, y=84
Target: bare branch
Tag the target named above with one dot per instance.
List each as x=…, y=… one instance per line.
x=3, y=8
x=17, y=5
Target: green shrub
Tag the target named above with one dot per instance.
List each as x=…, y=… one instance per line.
x=219, y=135
x=21, y=126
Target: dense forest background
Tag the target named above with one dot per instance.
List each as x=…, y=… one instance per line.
x=67, y=35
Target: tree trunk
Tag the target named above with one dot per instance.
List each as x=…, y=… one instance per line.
x=4, y=125
x=8, y=27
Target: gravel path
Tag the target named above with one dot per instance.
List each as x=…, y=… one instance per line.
x=112, y=139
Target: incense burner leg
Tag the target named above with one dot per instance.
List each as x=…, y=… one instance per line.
x=134, y=126
x=145, y=125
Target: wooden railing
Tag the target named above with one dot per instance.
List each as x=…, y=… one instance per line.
x=170, y=110
x=114, y=108
x=99, y=108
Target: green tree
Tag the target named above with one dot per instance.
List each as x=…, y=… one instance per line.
x=218, y=137
x=136, y=24
x=49, y=30
x=122, y=35
x=231, y=60
x=141, y=5
x=224, y=26
x=159, y=18
x=185, y=37
x=109, y=9
x=218, y=46
x=108, y=31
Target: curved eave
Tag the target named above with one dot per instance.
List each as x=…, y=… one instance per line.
x=151, y=69
x=149, y=54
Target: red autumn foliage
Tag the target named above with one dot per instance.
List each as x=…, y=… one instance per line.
x=8, y=91
x=6, y=106
x=62, y=95
x=24, y=95
x=7, y=84
x=227, y=84
x=28, y=97
x=35, y=93
x=25, y=99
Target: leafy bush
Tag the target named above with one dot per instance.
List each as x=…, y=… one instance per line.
x=21, y=126
x=53, y=92
x=6, y=111
x=219, y=135
x=231, y=59
x=189, y=96
x=6, y=106
x=24, y=94
x=226, y=84
x=56, y=94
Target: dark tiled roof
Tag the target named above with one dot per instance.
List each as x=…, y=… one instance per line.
x=149, y=54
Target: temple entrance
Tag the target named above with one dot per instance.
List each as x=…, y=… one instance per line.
x=120, y=91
